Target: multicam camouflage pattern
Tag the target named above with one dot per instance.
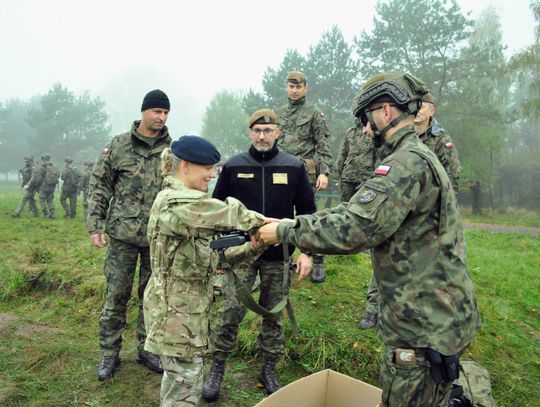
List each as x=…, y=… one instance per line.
x=84, y=187
x=476, y=384
x=182, y=382
x=26, y=172
x=271, y=338
x=410, y=386
x=179, y=294
x=123, y=185
x=119, y=269
x=440, y=142
x=70, y=189
x=408, y=213
x=29, y=174
x=305, y=135
x=46, y=191
x=355, y=162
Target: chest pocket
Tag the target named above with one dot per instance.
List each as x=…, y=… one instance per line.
x=367, y=201
x=303, y=127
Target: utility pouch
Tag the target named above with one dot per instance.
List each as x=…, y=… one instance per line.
x=444, y=369
x=312, y=170
x=458, y=397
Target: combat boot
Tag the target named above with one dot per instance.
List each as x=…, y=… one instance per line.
x=269, y=377
x=318, y=274
x=107, y=367
x=149, y=360
x=369, y=321
x=212, y=385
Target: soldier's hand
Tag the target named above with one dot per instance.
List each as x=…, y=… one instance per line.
x=98, y=240
x=268, y=233
x=270, y=220
x=322, y=182
x=26, y=187
x=303, y=265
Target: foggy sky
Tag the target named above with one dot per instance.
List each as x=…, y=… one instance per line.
x=120, y=49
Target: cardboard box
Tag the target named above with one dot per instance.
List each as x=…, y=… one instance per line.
x=325, y=389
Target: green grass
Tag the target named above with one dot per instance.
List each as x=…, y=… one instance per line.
x=51, y=292
x=506, y=217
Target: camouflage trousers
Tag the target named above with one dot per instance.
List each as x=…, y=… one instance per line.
x=372, y=302
x=476, y=384
x=29, y=199
x=70, y=208
x=85, y=202
x=182, y=381
x=271, y=338
x=46, y=201
x=347, y=189
x=119, y=269
x=411, y=386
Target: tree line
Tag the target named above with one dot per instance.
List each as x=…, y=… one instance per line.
x=488, y=103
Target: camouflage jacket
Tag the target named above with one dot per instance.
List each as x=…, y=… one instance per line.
x=34, y=184
x=26, y=174
x=84, y=182
x=356, y=157
x=178, y=296
x=305, y=135
x=123, y=186
x=408, y=214
x=71, y=177
x=440, y=142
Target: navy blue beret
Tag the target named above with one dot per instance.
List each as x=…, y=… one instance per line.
x=195, y=149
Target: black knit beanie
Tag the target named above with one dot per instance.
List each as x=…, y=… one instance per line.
x=155, y=99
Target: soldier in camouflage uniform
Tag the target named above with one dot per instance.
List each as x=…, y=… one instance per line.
x=183, y=220
x=408, y=214
x=84, y=184
x=123, y=185
x=70, y=188
x=305, y=135
x=355, y=162
x=49, y=175
x=28, y=173
x=433, y=135
x=275, y=184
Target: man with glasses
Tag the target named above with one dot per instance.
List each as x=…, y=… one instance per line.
x=276, y=185
x=306, y=136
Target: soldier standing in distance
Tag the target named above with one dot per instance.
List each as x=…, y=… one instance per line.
x=49, y=175
x=84, y=184
x=305, y=135
x=408, y=214
x=433, y=135
x=355, y=162
x=123, y=185
x=71, y=177
x=177, y=300
x=29, y=175
x=275, y=184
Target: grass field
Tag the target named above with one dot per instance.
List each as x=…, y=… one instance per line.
x=51, y=292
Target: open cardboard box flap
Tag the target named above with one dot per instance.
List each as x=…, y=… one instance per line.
x=325, y=389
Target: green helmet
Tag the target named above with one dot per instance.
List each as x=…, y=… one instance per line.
x=403, y=89
x=89, y=163
x=28, y=158
x=68, y=159
x=45, y=157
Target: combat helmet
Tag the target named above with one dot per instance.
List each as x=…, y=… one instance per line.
x=89, y=163
x=45, y=157
x=402, y=89
x=68, y=159
x=28, y=158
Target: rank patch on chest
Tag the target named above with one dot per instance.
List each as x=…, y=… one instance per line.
x=449, y=145
x=280, y=178
x=382, y=170
x=245, y=176
x=366, y=196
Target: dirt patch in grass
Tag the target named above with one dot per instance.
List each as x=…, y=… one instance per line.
x=12, y=324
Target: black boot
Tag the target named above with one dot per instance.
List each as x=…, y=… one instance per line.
x=369, y=321
x=107, y=367
x=149, y=360
x=269, y=376
x=212, y=385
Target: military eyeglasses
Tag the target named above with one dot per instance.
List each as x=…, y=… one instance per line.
x=363, y=114
x=266, y=131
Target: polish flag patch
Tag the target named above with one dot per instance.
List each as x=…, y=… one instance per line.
x=449, y=145
x=382, y=170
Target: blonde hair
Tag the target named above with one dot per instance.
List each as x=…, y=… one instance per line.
x=169, y=162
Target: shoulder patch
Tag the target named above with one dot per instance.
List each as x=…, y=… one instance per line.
x=366, y=196
x=382, y=170
x=376, y=187
x=449, y=145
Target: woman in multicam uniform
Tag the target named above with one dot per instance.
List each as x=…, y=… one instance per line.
x=183, y=220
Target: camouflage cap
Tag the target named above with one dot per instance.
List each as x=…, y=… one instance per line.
x=296, y=77
x=68, y=159
x=263, y=116
x=401, y=88
x=428, y=98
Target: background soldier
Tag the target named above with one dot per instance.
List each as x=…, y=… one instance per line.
x=125, y=181
x=50, y=175
x=408, y=214
x=275, y=184
x=305, y=135
x=71, y=177
x=84, y=184
x=355, y=162
x=29, y=178
x=433, y=135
